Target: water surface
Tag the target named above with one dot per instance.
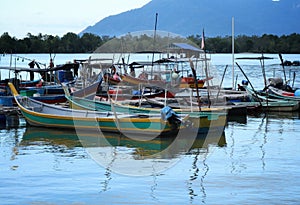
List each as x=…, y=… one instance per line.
x=255, y=162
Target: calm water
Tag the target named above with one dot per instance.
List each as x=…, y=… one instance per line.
x=256, y=162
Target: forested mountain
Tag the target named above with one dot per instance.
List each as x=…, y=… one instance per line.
x=189, y=17
x=270, y=26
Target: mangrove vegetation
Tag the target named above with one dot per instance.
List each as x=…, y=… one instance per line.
x=88, y=43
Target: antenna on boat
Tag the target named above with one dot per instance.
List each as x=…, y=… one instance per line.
x=154, y=41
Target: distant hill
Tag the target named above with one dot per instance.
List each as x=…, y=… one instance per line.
x=189, y=17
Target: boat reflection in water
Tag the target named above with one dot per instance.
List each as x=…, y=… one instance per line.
x=125, y=155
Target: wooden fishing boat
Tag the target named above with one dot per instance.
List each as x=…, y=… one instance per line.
x=50, y=99
x=21, y=83
x=51, y=94
x=111, y=80
x=216, y=95
x=270, y=104
x=121, y=93
x=143, y=81
x=282, y=94
x=206, y=119
x=89, y=91
x=62, y=74
x=290, y=63
x=168, y=73
x=9, y=101
x=45, y=115
x=87, y=104
x=182, y=82
x=189, y=82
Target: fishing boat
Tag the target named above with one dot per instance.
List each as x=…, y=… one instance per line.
x=46, y=115
x=266, y=102
x=282, y=94
x=277, y=89
x=40, y=89
x=143, y=79
x=22, y=83
x=50, y=99
x=88, y=92
x=270, y=104
x=183, y=82
x=112, y=79
x=165, y=73
x=121, y=93
x=9, y=101
x=202, y=121
x=290, y=63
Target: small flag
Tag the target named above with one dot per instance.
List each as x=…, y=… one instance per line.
x=202, y=42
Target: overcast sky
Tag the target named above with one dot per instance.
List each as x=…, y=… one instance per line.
x=58, y=17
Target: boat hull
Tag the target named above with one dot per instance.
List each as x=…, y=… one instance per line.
x=45, y=115
x=202, y=121
x=280, y=106
x=268, y=103
x=129, y=125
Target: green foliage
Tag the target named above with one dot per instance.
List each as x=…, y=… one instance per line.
x=69, y=43
x=252, y=44
x=87, y=43
x=141, y=42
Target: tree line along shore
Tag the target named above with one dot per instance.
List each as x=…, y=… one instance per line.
x=87, y=43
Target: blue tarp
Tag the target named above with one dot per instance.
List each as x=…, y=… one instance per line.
x=167, y=112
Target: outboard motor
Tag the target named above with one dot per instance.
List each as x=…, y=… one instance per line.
x=168, y=114
x=276, y=82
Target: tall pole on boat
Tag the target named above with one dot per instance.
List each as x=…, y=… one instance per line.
x=205, y=69
x=154, y=41
x=10, y=64
x=262, y=63
x=232, y=53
